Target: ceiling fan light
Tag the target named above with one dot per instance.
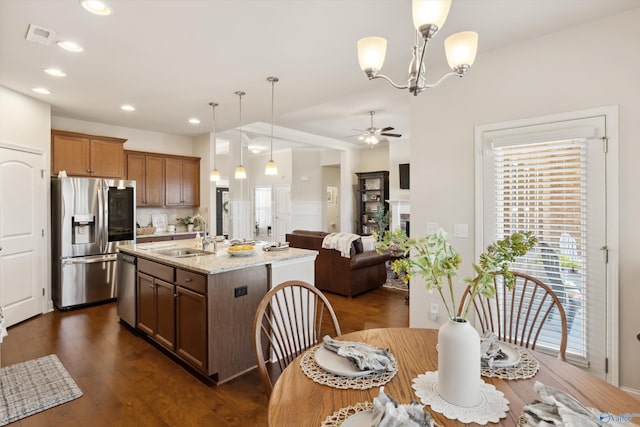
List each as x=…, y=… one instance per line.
x=461, y=49
x=371, y=53
x=214, y=175
x=271, y=168
x=240, y=173
x=429, y=12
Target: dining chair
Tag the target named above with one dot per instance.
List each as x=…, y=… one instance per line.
x=520, y=315
x=292, y=317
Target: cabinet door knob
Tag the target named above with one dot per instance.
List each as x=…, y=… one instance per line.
x=151, y=285
x=187, y=280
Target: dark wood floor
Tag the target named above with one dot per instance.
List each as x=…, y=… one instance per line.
x=128, y=382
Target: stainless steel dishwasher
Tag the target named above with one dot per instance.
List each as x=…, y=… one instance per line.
x=126, y=281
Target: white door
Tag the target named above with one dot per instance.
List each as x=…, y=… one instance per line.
x=22, y=211
x=281, y=209
x=550, y=178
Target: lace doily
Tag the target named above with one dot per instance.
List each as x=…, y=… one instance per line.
x=320, y=376
x=337, y=418
x=492, y=407
x=526, y=368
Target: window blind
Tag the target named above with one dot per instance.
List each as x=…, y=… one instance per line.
x=541, y=186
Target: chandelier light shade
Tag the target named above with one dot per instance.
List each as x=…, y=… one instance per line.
x=371, y=53
x=427, y=13
x=428, y=18
x=241, y=172
x=215, y=174
x=461, y=49
x=271, y=168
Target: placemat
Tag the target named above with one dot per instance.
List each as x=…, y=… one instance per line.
x=526, y=368
x=337, y=418
x=320, y=376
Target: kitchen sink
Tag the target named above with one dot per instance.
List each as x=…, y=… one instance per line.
x=182, y=252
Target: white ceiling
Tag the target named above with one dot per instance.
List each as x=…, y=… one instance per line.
x=170, y=58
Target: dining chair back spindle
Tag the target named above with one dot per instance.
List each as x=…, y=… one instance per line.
x=520, y=315
x=292, y=317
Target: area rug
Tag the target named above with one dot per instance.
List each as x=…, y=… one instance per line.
x=31, y=387
x=394, y=282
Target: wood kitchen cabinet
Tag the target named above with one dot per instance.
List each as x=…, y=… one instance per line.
x=156, y=302
x=147, y=169
x=191, y=326
x=182, y=181
x=87, y=155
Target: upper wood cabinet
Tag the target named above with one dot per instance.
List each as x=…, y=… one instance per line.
x=147, y=169
x=182, y=185
x=87, y=155
x=164, y=180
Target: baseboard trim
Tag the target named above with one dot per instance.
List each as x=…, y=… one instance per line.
x=633, y=392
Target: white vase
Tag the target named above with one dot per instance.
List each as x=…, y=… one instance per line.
x=189, y=227
x=459, y=363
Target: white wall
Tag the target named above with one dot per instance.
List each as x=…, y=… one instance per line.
x=373, y=159
x=560, y=72
x=137, y=139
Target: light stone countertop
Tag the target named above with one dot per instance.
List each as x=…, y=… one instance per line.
x=213, y=263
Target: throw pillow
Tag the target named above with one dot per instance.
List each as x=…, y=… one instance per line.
x=368, y=243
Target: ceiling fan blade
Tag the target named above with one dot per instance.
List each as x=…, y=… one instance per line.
x=386, y=129
x=395, y=135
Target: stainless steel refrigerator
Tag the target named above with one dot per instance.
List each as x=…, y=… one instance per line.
x=90, y=217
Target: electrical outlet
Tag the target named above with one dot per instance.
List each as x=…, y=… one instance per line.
x=434, y=311
x=240, y=291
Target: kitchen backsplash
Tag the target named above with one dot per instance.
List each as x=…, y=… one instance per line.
x=144, y=214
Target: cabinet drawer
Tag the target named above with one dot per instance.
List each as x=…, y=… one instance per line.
x=155, y=269
x=193, y=281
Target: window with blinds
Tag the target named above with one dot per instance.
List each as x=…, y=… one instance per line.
x=541, y=187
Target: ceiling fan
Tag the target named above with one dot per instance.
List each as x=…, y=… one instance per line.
x=373, y=135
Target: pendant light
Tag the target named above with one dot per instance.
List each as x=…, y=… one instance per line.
x=271, y=168
x=215, y=174
x=241, y=172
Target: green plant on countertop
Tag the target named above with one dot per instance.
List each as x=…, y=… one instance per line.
x=435, y=260
x=185, y=221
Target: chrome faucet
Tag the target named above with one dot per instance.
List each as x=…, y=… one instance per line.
x=206, y=241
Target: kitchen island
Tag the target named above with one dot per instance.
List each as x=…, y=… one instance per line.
x=200, y=307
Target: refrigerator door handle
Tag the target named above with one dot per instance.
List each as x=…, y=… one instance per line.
x=104, y=210
x=90, y=260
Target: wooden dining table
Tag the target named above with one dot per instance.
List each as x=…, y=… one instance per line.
x=298, y=401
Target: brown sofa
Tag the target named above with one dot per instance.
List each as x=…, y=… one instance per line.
x=362, y=272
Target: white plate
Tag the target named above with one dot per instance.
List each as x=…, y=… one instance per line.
x=241, y=253
x=338, y=365
x=361, y=419
x=513, y=356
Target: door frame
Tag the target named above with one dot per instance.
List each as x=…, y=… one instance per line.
x=612, y=351
x=46, y=302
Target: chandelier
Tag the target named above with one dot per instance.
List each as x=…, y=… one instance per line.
x=428, y=18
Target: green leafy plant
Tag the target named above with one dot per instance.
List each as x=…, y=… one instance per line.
x=185, y=221
x=437, y=262
x=381, y=217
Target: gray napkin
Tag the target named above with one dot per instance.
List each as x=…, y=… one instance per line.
x=362, y=355
x=388, y=413
x=490, y=350
x=557, y=408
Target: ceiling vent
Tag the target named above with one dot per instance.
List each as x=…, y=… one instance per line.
x=40, y=35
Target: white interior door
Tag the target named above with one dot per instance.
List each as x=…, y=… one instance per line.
x=22, y=209
x=282, y=213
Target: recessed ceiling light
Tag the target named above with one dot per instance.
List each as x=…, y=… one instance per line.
x=70, y=46
x=55, y=72
x=41, y=90
x=127, y=107
x=97, y=7
x=194, y=121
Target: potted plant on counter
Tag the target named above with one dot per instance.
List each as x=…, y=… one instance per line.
x=187, y=221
